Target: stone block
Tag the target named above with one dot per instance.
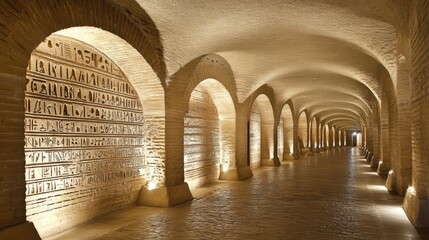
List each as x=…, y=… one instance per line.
x=374, y=162
x=416, y=209
x=391, y=181
x=239, y=173
x=165, y=196
x=383, y=168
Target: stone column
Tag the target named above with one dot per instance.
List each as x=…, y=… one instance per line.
x=174, y=190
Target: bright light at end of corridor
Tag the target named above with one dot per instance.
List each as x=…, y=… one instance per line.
x=354, y=133
x=151, y=185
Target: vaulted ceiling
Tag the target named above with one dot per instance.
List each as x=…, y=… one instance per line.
x=326, y=56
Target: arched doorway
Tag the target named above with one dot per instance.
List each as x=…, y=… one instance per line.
x=209, y=134
x=287, y=118
x=255, y=137
x=85, y=141
x=303, y=130
x=280, y=140
x=262, y=106
x=314, y=141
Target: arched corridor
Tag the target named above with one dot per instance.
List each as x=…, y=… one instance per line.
x=108, y=106
x=299, y=200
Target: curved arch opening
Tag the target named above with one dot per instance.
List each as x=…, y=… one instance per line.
x=287, y=118
x=314, y=133
x=327, y=136
x=333, y=134
x=209, y=133
x=86, y=110
x=303, y=130
x=261, y=131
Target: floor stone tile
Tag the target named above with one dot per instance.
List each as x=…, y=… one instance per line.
x=332, y=195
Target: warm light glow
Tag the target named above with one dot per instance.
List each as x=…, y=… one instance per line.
x=225, y=167
x=411, y=190
x=354, y=133
x=394, y=213
x=381, y=162
x=390, y=172
x=377, y=187
x=371, y=173
x=151, y=185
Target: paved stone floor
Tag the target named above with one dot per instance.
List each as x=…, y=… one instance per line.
x=333, y=195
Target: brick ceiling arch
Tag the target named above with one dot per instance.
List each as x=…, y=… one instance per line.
x=291, y=46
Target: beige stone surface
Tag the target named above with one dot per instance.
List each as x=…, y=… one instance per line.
x=333, y=195
x=304, y=74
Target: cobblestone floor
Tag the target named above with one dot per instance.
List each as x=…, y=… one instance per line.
x=333, y=195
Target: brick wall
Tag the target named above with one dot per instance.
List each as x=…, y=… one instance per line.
x=420, y=95
x=303, y=129
x=201, y=140
x=255, y=137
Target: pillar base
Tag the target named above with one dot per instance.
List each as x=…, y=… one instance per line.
x=316, y=150
x=374, y=163
x=165, y=196
x=417, y=209
x=239, y=173
x=390, y=182
x=309, y=154
x=288, y=157
x=369, y=157
x=24, y=231
x=295, y=156
x=382, y=169
x=272, y=162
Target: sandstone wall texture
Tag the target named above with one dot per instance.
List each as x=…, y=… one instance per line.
x=84, y=136
x=202, y=150
x=97, y=112
x=255, y=137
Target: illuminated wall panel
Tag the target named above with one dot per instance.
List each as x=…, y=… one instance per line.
x=84, y=141
x=202, y=147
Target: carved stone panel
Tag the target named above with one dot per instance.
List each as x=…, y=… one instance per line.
x=84, y=130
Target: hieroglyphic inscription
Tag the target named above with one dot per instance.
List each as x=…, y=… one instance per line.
x=83, y=122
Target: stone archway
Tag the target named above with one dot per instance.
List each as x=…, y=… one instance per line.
x=288, y=134
x=303, y=130
x=209, y=134
x=266, y=135
x=254, y=137
x=17, y=49
x=85, y=135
